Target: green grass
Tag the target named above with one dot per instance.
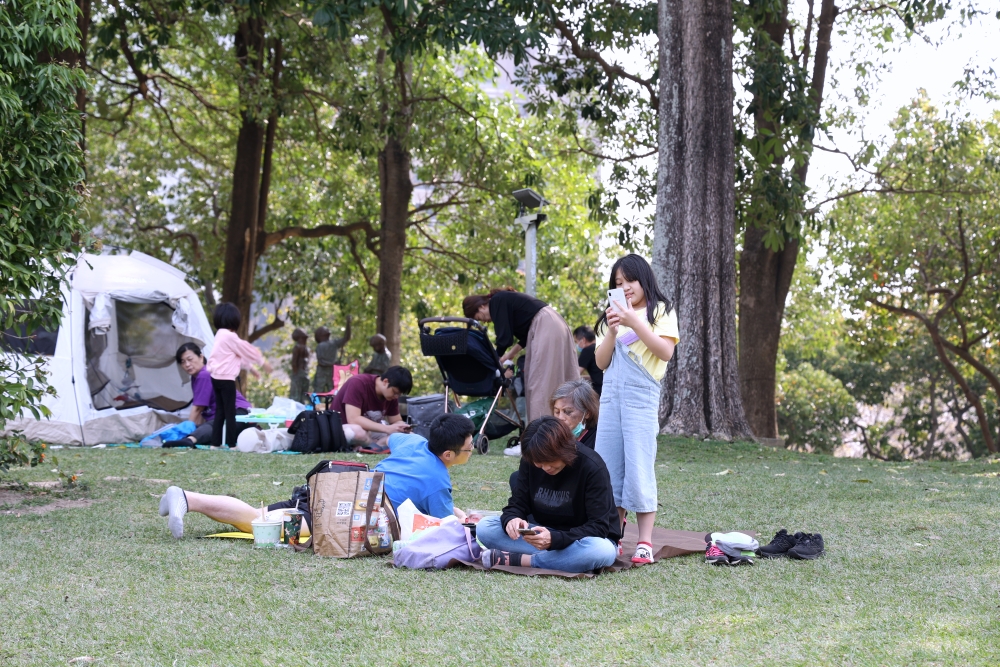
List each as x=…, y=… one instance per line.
x=910, y=577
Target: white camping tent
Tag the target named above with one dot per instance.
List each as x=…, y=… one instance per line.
x=112, y=363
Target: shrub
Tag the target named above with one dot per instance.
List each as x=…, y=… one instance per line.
x=814, y=408
x=16, y=452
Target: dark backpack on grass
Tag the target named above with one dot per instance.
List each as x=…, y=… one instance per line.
x=317, y=432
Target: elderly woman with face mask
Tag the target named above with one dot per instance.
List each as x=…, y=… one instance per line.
x=576, y=405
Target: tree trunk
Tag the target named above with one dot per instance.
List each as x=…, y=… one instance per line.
x=970, y=395
x=241, y=234
x=395, y=190
x=694, y=236
x=766, y=275
x=765, y=278
x=242, y=231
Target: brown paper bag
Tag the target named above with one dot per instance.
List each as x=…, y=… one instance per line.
x=346, y=515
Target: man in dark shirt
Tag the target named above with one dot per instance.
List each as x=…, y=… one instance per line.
x=366, y=401
x=586, y=340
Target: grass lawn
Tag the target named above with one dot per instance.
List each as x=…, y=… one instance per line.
x=911, y=575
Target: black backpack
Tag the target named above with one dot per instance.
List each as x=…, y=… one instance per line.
x=317, y=432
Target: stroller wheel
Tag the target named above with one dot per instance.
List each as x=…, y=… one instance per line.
x=513, y=442
x=481, y=443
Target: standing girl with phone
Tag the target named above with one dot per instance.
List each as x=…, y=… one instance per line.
x=635, y=340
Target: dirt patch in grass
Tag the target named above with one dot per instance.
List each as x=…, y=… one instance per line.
x=12, y=499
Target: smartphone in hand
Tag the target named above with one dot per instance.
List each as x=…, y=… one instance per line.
x=526, y=531
x=617, y=296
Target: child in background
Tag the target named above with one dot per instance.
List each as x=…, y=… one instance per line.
x=299, y=385
x=635, y=340
x=382, y=358
x=229, y=355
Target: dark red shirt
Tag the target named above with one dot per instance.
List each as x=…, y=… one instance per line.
x=359, y=391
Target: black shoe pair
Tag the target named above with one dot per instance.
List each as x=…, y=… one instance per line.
x=803, y=546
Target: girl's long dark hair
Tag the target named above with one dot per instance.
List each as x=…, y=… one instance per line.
x=635, y=268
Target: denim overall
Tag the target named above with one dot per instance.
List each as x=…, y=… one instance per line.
x=627, y=428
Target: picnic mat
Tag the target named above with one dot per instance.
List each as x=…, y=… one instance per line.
x=666, y=544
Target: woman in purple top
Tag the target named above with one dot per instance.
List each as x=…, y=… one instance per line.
x=191, y=360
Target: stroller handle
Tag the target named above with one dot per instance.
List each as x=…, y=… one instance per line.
x=461, y=320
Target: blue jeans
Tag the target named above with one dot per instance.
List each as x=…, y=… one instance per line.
x=584, y=555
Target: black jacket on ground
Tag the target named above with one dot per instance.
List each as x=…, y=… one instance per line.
x=512, y=313
x=574, y=504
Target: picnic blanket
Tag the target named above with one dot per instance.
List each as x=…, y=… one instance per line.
x=666, y=544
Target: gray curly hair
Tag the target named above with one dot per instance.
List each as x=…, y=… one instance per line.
x=584, y=398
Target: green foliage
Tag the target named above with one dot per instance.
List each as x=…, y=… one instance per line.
x=776, y=121
x=163, y=187
x=814, y=409
x=40, y=183
x=920, y=260
x=260, y=392
x=17, y=452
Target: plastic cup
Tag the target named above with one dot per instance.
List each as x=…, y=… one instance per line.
x=292, y=520
x=266, y=533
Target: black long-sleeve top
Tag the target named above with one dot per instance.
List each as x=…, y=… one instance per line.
x=512, y=313
x=573, y=504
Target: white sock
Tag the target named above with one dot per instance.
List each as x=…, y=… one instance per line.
x=174, y=504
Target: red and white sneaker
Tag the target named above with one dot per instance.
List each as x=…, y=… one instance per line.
x=715, y=556
x=643, y=554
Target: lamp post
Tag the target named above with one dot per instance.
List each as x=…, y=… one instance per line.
x=529, y=199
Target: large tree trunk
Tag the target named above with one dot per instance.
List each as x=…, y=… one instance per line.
x=241, y=234
x=694, y=241
x=395, y=191
x=765, y=278
x=766, y=275
x=242, y=230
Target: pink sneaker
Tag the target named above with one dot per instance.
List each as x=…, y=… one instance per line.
x=715, y=556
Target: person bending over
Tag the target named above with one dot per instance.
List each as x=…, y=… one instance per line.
x=417, y=469
x=369, y=407
x=566, y=488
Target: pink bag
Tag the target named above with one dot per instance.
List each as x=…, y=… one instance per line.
x=438, y=547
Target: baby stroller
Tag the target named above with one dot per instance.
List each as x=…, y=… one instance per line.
x=470, y=367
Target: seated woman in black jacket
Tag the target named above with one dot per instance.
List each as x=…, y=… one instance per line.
x=566, y=488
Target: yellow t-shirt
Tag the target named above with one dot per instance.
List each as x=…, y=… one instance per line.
x=664, y=326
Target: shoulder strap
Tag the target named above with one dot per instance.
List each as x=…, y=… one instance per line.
x=323, y=432
x=378, y=483
x=338, y=441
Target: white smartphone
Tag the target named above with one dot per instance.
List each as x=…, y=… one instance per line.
x=617, y=295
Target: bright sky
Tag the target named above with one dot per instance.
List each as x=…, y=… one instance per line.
x=914, y=65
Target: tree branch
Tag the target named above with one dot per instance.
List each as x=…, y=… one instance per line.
x=266, y=329
x=279, y=235
x=611, y=70
x=196, y=252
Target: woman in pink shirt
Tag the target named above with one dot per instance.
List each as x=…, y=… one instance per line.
x=230, y=354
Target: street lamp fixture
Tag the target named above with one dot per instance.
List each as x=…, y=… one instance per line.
x=529, y=199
